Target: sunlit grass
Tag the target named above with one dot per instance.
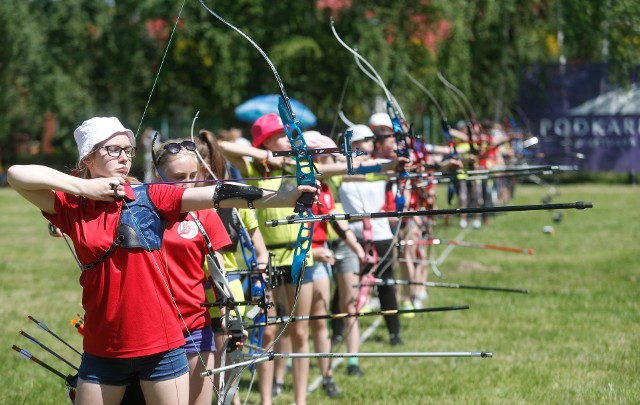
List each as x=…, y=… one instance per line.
x=574, y=339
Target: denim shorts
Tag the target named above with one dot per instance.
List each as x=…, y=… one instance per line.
x=155, y=367
x=346, y=259
x=315, y=272
x=200, y=340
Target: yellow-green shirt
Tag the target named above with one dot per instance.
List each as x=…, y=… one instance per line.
x=287, y=234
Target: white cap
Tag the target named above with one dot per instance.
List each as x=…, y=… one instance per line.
x=380, y=120
x=96, y=130
x=360, y=132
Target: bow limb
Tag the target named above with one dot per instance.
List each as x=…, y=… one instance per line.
x=305, y=175
x=374, y=74
x=446, y=128
x=457, y=95
x=397, y=119
x=304, y=164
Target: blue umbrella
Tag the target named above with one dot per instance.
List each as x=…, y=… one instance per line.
x=256, y=107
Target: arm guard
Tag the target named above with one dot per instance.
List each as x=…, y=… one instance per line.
x=368, y=169
x=225, y=191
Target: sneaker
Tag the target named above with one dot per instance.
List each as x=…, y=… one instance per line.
x=417, y=304
x=329, y=387
x=423, y=295
x=476, y=224
x=408, y=306
x=395, y=340
x=463, y=223
x=354, y=371
x=277, y=388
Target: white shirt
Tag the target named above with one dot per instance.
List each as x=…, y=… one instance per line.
x=366, y=196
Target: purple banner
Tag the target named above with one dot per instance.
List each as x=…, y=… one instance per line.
x=581, y=118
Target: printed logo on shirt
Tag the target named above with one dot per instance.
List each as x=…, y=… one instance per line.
x=187, y=229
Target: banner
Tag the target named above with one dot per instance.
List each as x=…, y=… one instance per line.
x=581, y=118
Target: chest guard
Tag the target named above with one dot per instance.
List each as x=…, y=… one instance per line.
x=140, y=225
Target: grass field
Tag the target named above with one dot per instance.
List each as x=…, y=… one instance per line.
x=575, y=339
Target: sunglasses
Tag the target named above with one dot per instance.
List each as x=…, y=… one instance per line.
x=175, y=147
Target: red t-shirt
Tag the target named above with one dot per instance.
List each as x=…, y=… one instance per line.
x=186, y=251
x=319, y=236
x=128, y=307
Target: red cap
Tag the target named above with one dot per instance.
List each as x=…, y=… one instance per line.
x=265, y=127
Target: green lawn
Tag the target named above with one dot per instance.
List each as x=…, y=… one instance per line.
x=573, y=340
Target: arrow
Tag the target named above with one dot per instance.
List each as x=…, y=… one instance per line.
x=461, y=243
x=379, y=281
x=25, y=354
x=270, y=356
x=33, y=340
x=283, y=319
x=42, y=325
x=429, y=213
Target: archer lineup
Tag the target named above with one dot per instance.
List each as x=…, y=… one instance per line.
x=233, y=255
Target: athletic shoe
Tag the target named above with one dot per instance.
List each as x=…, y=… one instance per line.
x=476, y=224
x=329, y=387
x=354, y=371
x=395, y=340
x=277, y=388
x=463, y=223
x=408, y=306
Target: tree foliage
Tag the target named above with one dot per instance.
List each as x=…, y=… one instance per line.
x=78, y=58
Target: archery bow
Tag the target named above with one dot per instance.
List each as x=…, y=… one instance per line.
x=397, y=117
x=304, y=176
x=471, y=115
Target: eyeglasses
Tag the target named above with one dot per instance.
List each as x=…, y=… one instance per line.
x=174, y=147
x=115, y=151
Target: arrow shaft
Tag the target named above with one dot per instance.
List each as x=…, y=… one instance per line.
x=42, y=325
x=34, y=340
x=429, y=213
x=279, y=320
x=462, y=243
x=380, y=281
x=257, y=358
x=25, y=353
